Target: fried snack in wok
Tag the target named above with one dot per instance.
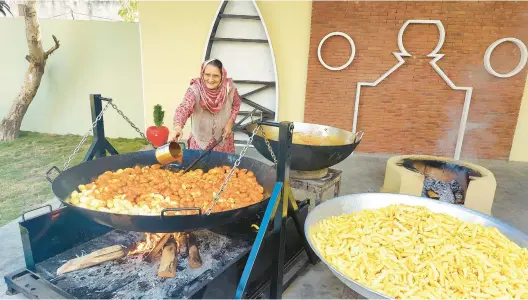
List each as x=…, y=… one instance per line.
x=301, y=138
x=407, y=251
x=148, y=190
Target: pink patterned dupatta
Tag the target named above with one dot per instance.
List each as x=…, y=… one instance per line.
x=213, y=100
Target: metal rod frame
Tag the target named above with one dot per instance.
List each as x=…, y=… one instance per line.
x=281, y=204
x=99, y=144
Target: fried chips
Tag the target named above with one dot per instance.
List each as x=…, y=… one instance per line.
x=407, y=251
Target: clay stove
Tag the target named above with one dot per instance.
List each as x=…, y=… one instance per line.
x=441, y=178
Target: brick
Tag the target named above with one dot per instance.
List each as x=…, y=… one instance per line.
x=413, y=110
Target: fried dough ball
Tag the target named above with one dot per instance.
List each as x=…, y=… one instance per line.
x=150, y=189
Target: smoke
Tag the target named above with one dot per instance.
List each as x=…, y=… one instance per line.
x=446, y=145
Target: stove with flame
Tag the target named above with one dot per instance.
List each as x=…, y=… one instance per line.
x=441, y=178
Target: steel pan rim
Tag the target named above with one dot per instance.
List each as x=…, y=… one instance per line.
x=346, y=146
x=381, y=197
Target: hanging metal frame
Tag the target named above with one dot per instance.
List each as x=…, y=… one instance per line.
x=281, y=205
x=100, y=144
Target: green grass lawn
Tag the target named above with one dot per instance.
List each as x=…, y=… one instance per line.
x=24, y=161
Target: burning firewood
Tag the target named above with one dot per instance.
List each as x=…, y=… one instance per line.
x=195, y=261
x=170, y=245
x=167, y=267
x=92, y=259
x=158, y=247
x=181, y=240
x=432, y=194
x=145, y=247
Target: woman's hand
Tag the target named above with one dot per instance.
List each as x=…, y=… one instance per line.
x=176, y=134
x=228, y=130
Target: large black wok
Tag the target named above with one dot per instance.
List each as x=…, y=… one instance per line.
x=68, y=181
x=308, y=157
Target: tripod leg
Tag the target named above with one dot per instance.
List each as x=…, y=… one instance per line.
x=293, y=212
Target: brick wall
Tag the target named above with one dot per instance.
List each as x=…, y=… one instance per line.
x=413, y=111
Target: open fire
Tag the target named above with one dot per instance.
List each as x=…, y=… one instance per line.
x=443, y=181
x=169, y=245
x=441, y=178
x=450, y=192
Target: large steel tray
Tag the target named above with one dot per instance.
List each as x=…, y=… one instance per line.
x=357, y=202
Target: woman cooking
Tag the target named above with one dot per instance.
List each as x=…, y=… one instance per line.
x=213, y=101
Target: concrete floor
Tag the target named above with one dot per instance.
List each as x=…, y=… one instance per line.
x=361, y=173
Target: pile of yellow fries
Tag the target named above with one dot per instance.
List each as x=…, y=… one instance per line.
x=407, y=251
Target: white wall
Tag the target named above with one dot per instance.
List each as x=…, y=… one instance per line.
x=106, y=10
x=94, y=57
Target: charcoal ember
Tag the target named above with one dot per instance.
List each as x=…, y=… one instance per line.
x=457, y=191
x=443, y=189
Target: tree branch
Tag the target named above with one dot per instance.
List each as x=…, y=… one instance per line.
x=52, y=49
x=33, y=36
x=5, y=7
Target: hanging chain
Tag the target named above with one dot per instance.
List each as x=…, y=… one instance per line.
x=83, y=140
x=130, y=122
x=269, y=146
x=67, y=163
x=237, y=163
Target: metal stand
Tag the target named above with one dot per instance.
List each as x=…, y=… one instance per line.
x=99, y=144
x=319, y=186
x=281, y=205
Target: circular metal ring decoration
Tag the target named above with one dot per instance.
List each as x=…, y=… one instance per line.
x=520, y=66
x=352, y=48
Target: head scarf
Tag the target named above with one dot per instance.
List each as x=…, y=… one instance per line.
x=213, y=100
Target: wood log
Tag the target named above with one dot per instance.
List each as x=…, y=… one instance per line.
x=92, y=259
x=167, y=267
x=158, y=247
x=195, y=261
x=181, y=239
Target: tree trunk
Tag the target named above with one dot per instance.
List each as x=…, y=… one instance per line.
x=10, y=125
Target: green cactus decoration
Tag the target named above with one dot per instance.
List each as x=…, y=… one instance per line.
x=159, y=114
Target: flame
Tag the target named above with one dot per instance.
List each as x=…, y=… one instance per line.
x=151, y=241
x=144, y=247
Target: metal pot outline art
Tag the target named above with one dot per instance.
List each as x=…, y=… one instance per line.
x=522, y=62
x=352, y=50
x=400, y=56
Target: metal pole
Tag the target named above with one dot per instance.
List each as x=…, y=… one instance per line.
x=278, y=210
x=99, y=144
x=293, y=212
x=281, y=216
x=98, y=133
x=268, y=215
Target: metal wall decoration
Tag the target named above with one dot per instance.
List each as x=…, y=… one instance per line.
x=241, y=16
x=352, y=49
x=435, y=57
x=520, y=66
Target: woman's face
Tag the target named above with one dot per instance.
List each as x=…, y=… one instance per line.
x=212, y=76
